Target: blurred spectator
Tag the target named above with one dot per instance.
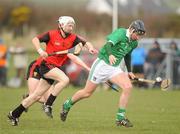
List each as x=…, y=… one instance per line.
x=174, y=48
x=138, y=57
x=176, y=61
x=1, y=17
x=20, y=61
x=154, y=58
x=3, y=63
x=20, y=17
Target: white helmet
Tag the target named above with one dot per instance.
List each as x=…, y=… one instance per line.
x=64, y=20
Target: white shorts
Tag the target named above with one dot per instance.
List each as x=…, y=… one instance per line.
x=101, y=71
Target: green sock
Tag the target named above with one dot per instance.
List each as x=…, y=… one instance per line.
x=68, y=104
x=121, y=114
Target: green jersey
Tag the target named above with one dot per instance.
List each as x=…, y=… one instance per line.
x=122, y=46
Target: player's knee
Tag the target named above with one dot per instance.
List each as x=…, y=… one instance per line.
x=127, y=87
x=36, y=97
x=65, y=80
x=42, y=100
x=33, y=98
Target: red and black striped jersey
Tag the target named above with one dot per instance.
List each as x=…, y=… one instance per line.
x=55, y=42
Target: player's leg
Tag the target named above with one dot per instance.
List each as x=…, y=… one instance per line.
x=48, y=108
x=42, y=87
x=60, y=77
x=62, y=81
x=32, y=84
x=47, y=93
x=86, y=92
x=123, y=81
x=33, y=76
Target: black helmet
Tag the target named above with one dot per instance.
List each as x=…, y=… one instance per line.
x=138, y=26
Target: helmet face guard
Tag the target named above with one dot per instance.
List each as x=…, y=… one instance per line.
x=138, y=27
x=139, y=32
x=65, y=20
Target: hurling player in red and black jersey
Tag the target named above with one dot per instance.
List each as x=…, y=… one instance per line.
x=56, y=40
x=33, y=75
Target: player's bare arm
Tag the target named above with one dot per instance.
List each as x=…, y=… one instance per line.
x=78, y=61
x=36, y=44
x=90, y=47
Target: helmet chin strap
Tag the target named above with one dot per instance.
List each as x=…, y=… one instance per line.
x=66, y=33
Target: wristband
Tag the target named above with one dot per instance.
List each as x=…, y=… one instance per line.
x=40, y=50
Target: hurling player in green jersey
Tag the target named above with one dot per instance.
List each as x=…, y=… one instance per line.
x=119, y=45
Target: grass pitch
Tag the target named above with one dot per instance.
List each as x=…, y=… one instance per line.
x=151, y=111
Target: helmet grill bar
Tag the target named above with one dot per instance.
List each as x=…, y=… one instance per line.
x=138, y=26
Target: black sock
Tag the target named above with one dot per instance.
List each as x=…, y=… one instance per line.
x=50, y=100
x=18, y=111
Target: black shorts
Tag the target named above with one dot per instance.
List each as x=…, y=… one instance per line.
x=33, y=71
x=44, y=68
